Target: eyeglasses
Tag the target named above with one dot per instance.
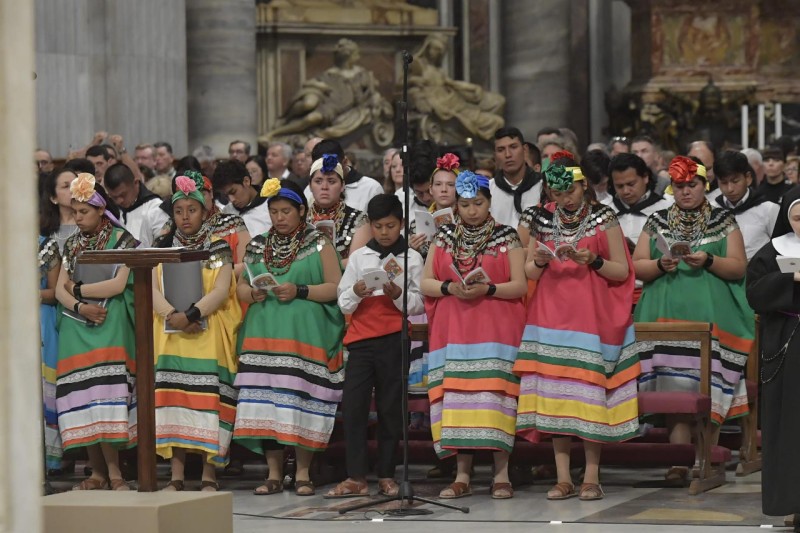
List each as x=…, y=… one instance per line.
x=42, y=163
x=791, y=169
x=619, y=140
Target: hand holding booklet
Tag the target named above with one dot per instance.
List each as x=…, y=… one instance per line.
x=788, y=265
x=561, y=253
x=89, y=273
x=182, y=286
x=472, y=277
x=675, y=250
x=428, y=223
x=263, y=282
x=376, y=278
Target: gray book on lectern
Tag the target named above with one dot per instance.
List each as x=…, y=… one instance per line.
x=182, y=284
x=89, y=274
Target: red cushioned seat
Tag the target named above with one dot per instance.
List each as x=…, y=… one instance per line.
x=674, y=402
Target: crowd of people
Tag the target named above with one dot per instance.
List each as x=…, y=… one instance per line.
x=530, y=284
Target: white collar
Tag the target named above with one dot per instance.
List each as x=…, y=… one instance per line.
x=787, y=245
x=740, y=202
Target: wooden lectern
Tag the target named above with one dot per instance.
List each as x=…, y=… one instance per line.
x=142, y=262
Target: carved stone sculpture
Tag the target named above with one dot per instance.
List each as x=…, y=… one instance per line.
x=432, y=92
x=337, y=103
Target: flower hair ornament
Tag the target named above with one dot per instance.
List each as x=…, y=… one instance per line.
x=560, y=178
x=468, y=183
x=448, y=162
x=327, y=163
x=682, y=170
x=272, y=189
x=82, y=189
x=190, y=185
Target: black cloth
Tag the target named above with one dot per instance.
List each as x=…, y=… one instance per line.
x=353, y=176
x=773, y=193
x=373, y=363
x=398, y=248
x=782, y=226
x=772, y=294
x=636, y=209
x=297, y=180
x=529, y=180
x=755, y=198
x=257, y=201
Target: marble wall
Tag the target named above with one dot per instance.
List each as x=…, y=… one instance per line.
x=112, y=65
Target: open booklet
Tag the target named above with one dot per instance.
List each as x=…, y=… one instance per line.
x=674, y=250
x=472, y=277
x=263, y=282
x=182, y=285
x=428, y=223
x=328, y=227
x=376, y=278
x=788, y=265
x=561, y=253
x=91, y=274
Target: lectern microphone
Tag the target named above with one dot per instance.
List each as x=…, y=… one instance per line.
x=407, y=57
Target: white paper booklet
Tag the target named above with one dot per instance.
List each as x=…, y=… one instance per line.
x=472, y=277
x=788, y=265
x=676, y=250
x=328, y=227
x=561, y=253
x=263, y=282
x=375, y=279
x=392, y=267
x=428, y=223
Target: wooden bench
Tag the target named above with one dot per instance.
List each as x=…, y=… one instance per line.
x=749, y=453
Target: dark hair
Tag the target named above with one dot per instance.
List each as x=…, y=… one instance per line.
x=110, y=205
x=643, y=139
x=147, y=172
x=548, y=131
x=98, y=151
x=261, y=162
x=245, y=143
x=229, y=172
x=286, y=184
x=787, y=144
x=384, y=205
x=423, y=163
x=594, y=166
x=163, y=144
x=80, y=165
x=327, y=146
x=185, y=163
x=116, y=175
x=730, y=163
x=624, y=161
x=536, y=154
x=49, y=213
x=509, y=131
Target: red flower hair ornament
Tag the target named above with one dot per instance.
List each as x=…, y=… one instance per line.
x=448, y=161
x=561, y=154
x=683, y=170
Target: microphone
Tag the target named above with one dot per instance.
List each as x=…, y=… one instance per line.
x=407, y=57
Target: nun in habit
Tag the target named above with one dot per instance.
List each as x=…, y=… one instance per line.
x=776, y=298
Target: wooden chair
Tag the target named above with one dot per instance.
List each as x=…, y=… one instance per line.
x=749, y=454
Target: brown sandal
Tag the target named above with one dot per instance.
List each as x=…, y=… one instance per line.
x=388, y=487
x=348, y=488
x=92, y=483
x=272, y=486
x=457, y=490
x=562, y=491
x=119, y=484
x=677, y=475
x=590, y=492
x=205, y=484
x=501, y=491
x=304, y=487
x=176, y=485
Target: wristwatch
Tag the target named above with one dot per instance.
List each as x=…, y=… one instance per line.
x=709, y=261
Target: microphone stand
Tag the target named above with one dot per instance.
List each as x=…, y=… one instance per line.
x=405, y=494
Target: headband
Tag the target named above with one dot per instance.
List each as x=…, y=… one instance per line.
x=561, y=178
x=791, y=205
x=272, y=189
x=189, y=186
x=448, y=162
x=82, y=190
x=468, y=183
x=683, y=170
x=327, y=163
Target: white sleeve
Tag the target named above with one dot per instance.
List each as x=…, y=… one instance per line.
x=348, y=301
x=416, y=302
x=772, y=216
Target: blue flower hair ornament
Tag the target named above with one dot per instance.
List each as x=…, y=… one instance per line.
x=329, y=162
x=468, y=183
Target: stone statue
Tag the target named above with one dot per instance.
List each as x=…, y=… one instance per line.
x=432, y=92
x=337, y=103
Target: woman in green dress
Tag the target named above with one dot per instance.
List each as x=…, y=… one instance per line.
x=95, y=369
x=291, y=369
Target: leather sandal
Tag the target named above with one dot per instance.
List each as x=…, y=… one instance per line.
x=562, y=491
x=501, y=491
x=92, y=483
x=677, y=475
x=348, y=488
x=270, y=486
x=208, y=486
x=119, y=484
x=456, y=490
x=176, y=485
x=590, y=492
x=388, y=487
x=304, y=487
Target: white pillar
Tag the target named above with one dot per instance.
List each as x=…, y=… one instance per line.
x=20, y=397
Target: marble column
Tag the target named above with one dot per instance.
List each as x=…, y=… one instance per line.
x=111, y=65
x=20, y=363
x=221, y=57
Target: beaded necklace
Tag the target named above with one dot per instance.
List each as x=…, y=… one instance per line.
x=689, y=224
x=196, y=241
x=570, y=227
x=334, y=212
x=95, y=241
x=469, y=243
x=281, y=250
